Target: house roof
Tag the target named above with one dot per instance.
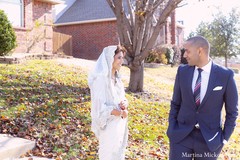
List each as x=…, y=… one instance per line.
x=86, y=11
x=52, y=1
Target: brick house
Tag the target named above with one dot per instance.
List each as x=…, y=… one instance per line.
x=32, y=21
x=93, y=26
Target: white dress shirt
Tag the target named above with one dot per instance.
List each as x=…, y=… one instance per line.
x=204, y=79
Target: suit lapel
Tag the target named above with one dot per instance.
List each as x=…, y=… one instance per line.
x=212, y=79
x=189, y=83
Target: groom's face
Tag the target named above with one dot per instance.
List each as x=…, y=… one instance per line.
x=191, y=54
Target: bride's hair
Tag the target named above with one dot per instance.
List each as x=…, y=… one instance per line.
x=120, y=48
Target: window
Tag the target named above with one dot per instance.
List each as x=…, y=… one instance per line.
x=14, y=10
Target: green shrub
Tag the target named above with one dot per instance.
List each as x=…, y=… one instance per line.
x=169, y=55
x=7, y=35
x=163, y=58
x=235, y=70
x=153, y=57
x=159, y=54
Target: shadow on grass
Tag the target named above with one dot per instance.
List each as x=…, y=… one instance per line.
x=55, y=115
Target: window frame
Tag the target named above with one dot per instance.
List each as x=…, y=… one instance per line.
x=20, y=3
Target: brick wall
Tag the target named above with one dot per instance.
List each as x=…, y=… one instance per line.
x=89, y=39
x=36, y=35
x=180, y=36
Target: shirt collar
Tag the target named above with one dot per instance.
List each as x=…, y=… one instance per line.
x=207, y=67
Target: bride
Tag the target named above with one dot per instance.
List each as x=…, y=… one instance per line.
x=109, y=104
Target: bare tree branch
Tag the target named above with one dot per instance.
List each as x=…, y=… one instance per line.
x=171, y=5
x=139, y=23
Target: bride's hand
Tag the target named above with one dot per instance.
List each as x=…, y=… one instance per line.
x=123, y=104
x=124, y=114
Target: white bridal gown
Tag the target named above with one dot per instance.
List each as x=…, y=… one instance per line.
x=106, y=94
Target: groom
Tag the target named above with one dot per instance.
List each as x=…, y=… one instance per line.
x=196, y=129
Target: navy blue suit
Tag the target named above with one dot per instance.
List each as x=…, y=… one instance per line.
x=184, y=114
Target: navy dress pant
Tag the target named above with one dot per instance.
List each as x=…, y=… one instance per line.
x=193, y=147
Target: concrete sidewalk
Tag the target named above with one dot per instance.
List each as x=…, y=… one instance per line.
x=13, y=147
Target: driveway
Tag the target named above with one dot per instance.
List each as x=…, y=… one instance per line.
x=87, y=64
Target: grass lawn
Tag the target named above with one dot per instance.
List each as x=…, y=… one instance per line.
x=49, y=102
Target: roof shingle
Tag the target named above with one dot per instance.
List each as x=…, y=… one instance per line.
x=86, y=10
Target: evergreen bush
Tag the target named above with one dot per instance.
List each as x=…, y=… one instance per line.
x=7, y=35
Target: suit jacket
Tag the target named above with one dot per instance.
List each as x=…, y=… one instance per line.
x=184, y=114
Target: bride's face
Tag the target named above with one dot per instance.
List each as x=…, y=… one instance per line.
x=118, y=61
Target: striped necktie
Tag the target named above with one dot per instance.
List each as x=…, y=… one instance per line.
x=197, y=88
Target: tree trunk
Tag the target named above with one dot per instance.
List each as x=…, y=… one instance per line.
x=136, y=78
x=226, y=60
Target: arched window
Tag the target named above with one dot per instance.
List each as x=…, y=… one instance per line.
x=14, y=11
